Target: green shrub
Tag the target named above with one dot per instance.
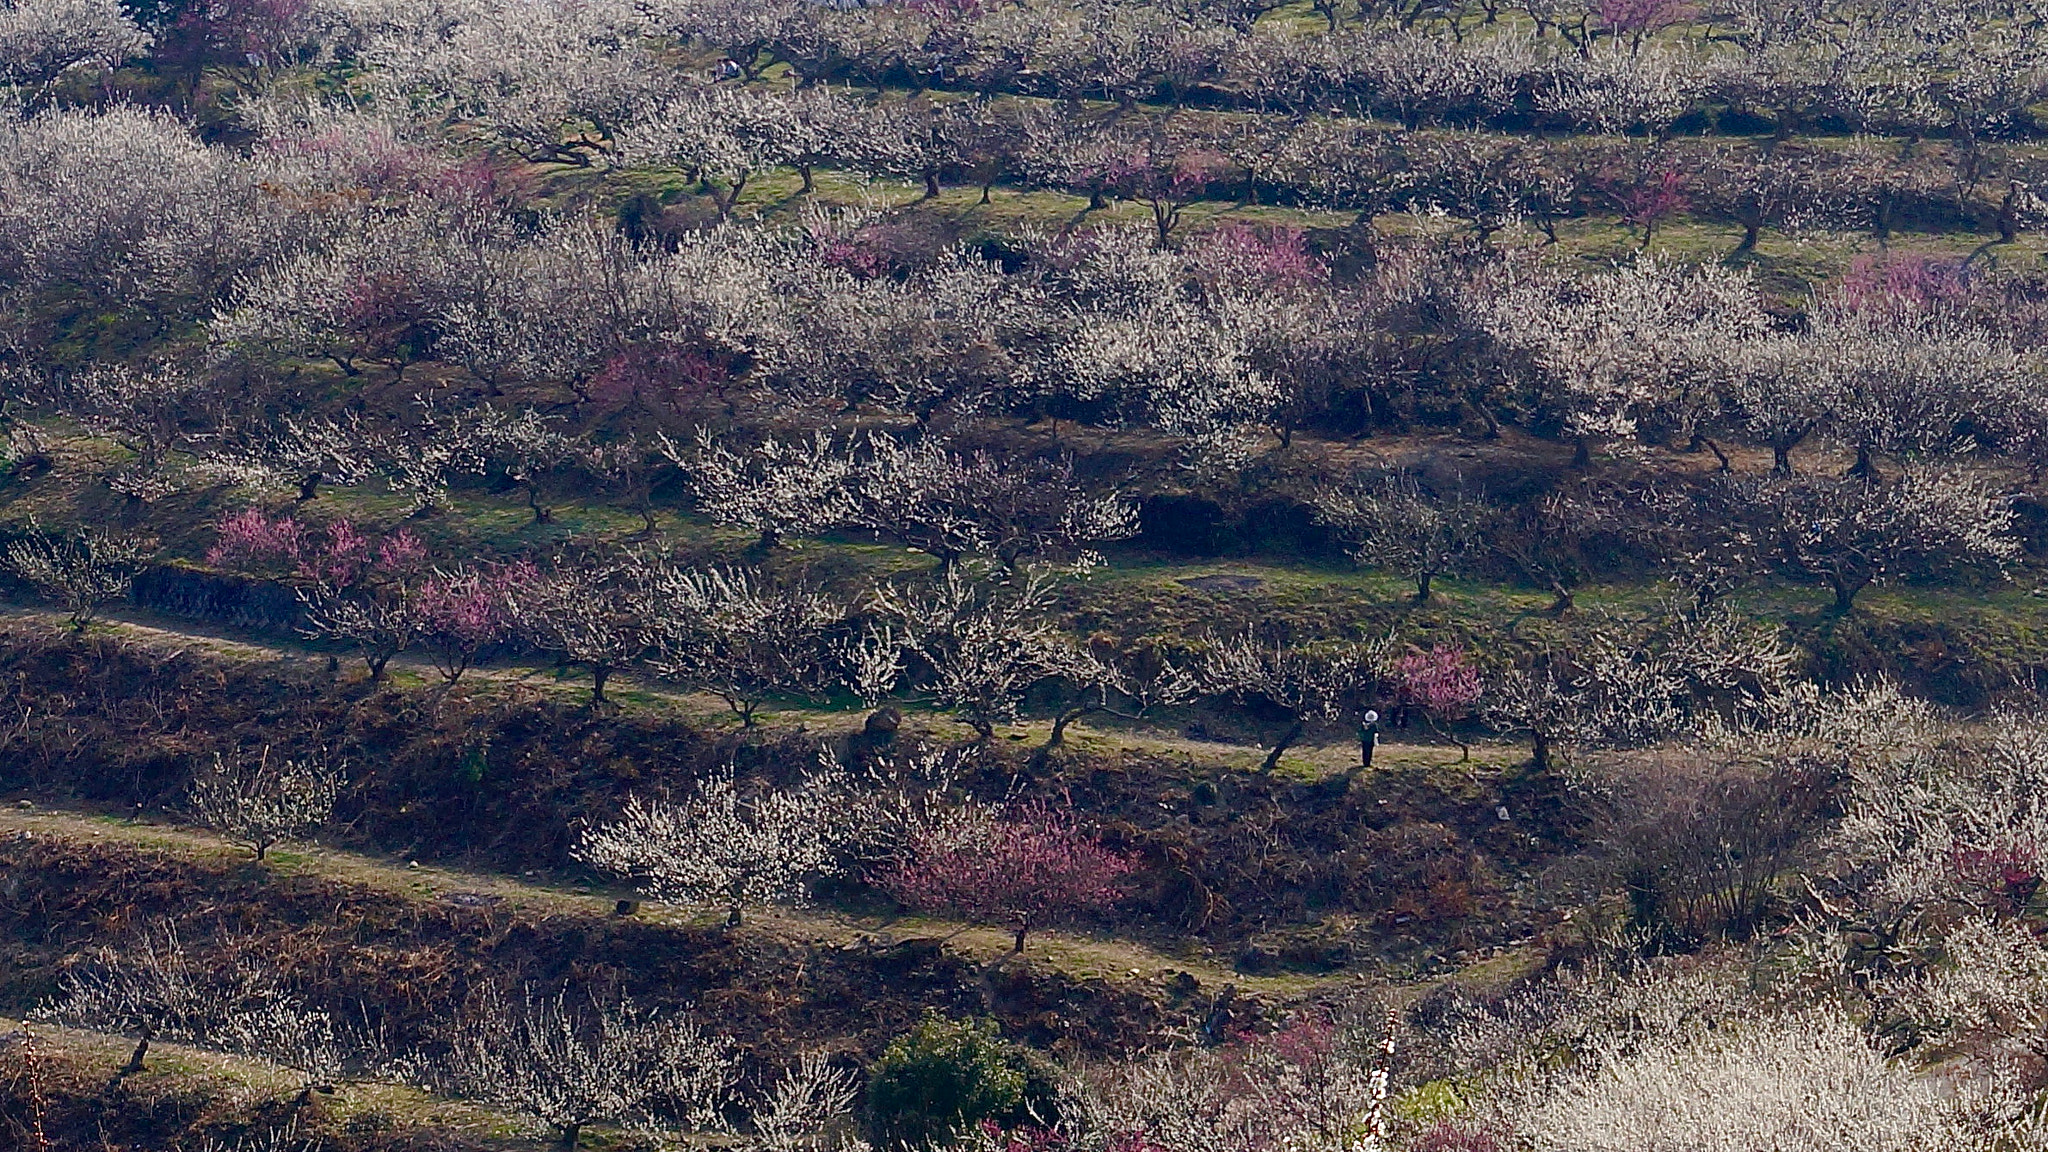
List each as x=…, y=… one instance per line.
x=938, y=1081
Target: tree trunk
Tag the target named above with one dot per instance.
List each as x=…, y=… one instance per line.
x=931, y=185
x=1750, y=228
x=1846, y=589
x=1562, y=602
x=1718, y=454
x=1539, y=751
x=1023, y=928
x=570, y=1134
x=599, y=673
x=1422, y=582
x=309, y=487
x=1286, y=742
x=1058, y=736
x=141, y=1049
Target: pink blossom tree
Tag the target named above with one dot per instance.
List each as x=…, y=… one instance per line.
x=360, y=590
x=1161, y=177
x=1897, y=282
x=1638, y=19
x=1443, y=684
x=1032, y=862
x=1652, y=200
x=339, y=555
x=464, y=610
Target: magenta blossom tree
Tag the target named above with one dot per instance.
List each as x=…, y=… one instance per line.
x=1651, y=201
x=465, y=610
x=360, y=590
x=1030, y=863
x=337, y=556
x=1901, y=282
x=1637, y=19
x=1442, y=683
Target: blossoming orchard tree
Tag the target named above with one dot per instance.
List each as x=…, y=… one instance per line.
x=1305, y=682
x=82, y=571
x=740, y=635
x=1396, y=523
x=587, y=613
x=1442, y=683
x=1030, y=863
x=258, y=802
x=729, y=846
x=571, y=1064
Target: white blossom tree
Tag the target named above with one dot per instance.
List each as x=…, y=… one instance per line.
x=1306, y=683
x=41, y=40
x=978, y=646
x=1851, y=532
x=83, y=571
x=1393, y=522
x=299, y=454
x=777, y=488
x=740, y=636
x=587, y=613
x=729, y=846
x=569, y=1065
x=258, y=802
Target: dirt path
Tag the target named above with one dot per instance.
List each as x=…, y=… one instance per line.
x=237, y=1087
x=1076, y=955
x=1307, y=760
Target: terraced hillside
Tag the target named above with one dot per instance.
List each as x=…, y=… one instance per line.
x=1027, y=575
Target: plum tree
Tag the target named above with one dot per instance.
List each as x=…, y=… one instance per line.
x=258, y=802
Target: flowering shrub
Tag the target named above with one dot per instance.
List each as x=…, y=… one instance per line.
x=466, y=610
x=1441, y=682
x=252, y=536
x=1031, y=862
x=1641, y=16
x=1652, y=201
x=1900, y=281
x=2006, y=876
x=339, y=556
x=1272, y=257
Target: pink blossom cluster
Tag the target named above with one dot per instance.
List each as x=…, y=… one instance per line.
x=1143, y=171
x=1643, y=15
x=1448, y=1136
x=1902, y=281
x=1034, y=860
x=467, y=609
x=1648, y=203
x=658, y=377
x=1441, y=681
x=339, y=555
x=1272, y=257
x=2009, y=874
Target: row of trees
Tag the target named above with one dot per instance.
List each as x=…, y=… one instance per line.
x=1956, y=67
x=565, y=1062
x=1236, y=332
x=1963, y=67
x=1243, y=333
